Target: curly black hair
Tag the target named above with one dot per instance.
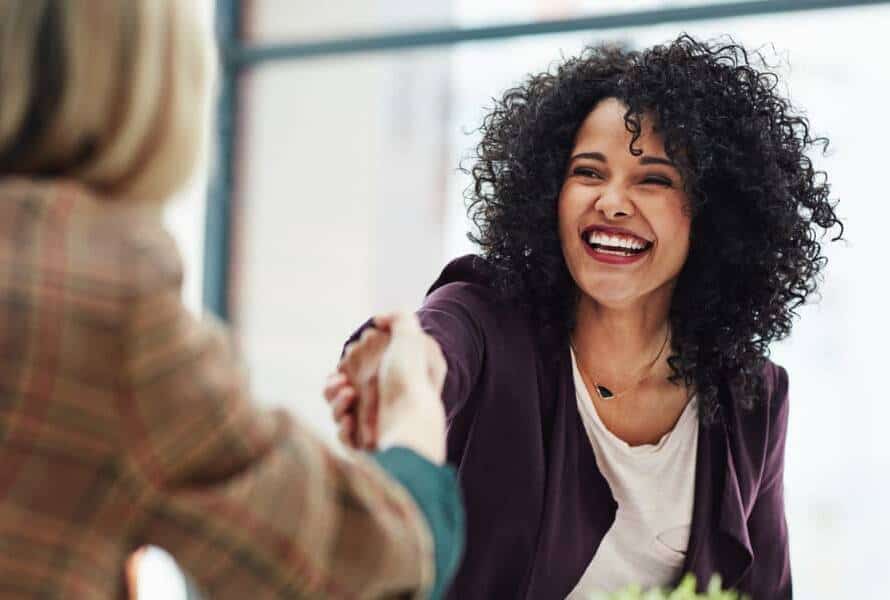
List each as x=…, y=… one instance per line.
x=755, y=199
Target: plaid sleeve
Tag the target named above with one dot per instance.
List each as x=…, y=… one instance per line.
x=251, y=504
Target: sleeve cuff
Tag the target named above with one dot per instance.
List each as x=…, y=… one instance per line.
x=436, y=492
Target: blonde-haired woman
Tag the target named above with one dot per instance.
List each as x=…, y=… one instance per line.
x=122, y=420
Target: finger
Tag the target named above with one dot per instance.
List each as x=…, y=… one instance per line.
x=372, y=426
x=333, y=384
x=349, y=360
x=364, y=359
x=346, y=431
x=383, y=321
x=386, y=321
x=367, y=415
x=368, y=342
x=404, y=322
x=344, y=402
x=332, y=394
x=372, y=343
x=368, y=389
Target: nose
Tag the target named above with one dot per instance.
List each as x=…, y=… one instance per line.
x=614, y=203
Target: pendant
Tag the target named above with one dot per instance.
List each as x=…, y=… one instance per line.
x=603, y=391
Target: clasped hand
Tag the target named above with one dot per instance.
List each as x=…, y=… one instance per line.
x=387, y=389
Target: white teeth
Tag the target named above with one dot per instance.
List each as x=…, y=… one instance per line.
x=605, y=239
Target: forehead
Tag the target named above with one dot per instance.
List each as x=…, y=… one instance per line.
x=604, y=130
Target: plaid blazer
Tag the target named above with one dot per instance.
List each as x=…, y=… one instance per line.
x=124, y=421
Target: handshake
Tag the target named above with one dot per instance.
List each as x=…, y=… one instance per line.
x=387, y=389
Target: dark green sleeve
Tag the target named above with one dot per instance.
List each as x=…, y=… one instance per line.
x=436, y=492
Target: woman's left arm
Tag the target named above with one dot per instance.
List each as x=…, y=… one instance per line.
x=770, y=575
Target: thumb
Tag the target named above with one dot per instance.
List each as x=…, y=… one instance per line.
x=398, y=322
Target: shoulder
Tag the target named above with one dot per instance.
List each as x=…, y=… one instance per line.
x=466, y=286
x=61, y=233
x=758, y=434
x=775, y=384
x=133, y=245
x=465, y=302
x=465, y=297
x=772, y=407
x=769, y=407
x=126, y=246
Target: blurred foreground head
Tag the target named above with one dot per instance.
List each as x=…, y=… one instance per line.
x=112, y=93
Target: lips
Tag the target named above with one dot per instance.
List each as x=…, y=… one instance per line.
x=614, y=245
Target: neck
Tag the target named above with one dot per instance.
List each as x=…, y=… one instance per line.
x=620, y=342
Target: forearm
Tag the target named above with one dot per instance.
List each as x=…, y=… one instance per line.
x=296, y=521
x=251, y=503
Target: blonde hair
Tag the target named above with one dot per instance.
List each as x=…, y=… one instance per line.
x=113, y=93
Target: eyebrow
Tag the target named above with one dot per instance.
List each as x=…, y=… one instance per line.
x=644, y=160
x=656, y=160
x=592, y=155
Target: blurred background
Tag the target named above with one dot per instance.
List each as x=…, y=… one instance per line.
x=335, y=193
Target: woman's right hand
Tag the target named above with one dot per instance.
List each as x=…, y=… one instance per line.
x=387, y=389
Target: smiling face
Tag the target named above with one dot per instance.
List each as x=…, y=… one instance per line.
x=623, y=222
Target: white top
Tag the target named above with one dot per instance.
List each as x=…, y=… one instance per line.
x=654, y=486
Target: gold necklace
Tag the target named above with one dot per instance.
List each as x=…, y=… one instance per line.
x=605, y=393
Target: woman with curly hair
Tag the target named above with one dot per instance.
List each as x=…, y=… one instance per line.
x=648, y=224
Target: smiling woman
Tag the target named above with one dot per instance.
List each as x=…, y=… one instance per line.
x=622, y=209
x=648, y=223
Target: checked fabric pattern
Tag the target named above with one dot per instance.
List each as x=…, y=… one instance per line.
x=124, y=421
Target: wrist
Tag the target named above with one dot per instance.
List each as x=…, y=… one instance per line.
x=428, y=447
x=417, y=422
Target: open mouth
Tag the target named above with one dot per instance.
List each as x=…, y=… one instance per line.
x=606, y=243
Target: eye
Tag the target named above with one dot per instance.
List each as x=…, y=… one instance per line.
x=586, y=172
x=658, y=180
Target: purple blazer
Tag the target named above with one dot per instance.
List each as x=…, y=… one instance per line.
x=537, y=506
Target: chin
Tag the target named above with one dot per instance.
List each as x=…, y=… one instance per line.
x=610, y=296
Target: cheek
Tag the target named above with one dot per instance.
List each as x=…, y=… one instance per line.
x=677, y=236
x=673, y=226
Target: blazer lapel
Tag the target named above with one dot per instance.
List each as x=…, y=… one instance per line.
x=734, y=550
x=718, y=542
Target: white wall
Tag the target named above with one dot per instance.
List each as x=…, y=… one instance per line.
x=343, y=197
